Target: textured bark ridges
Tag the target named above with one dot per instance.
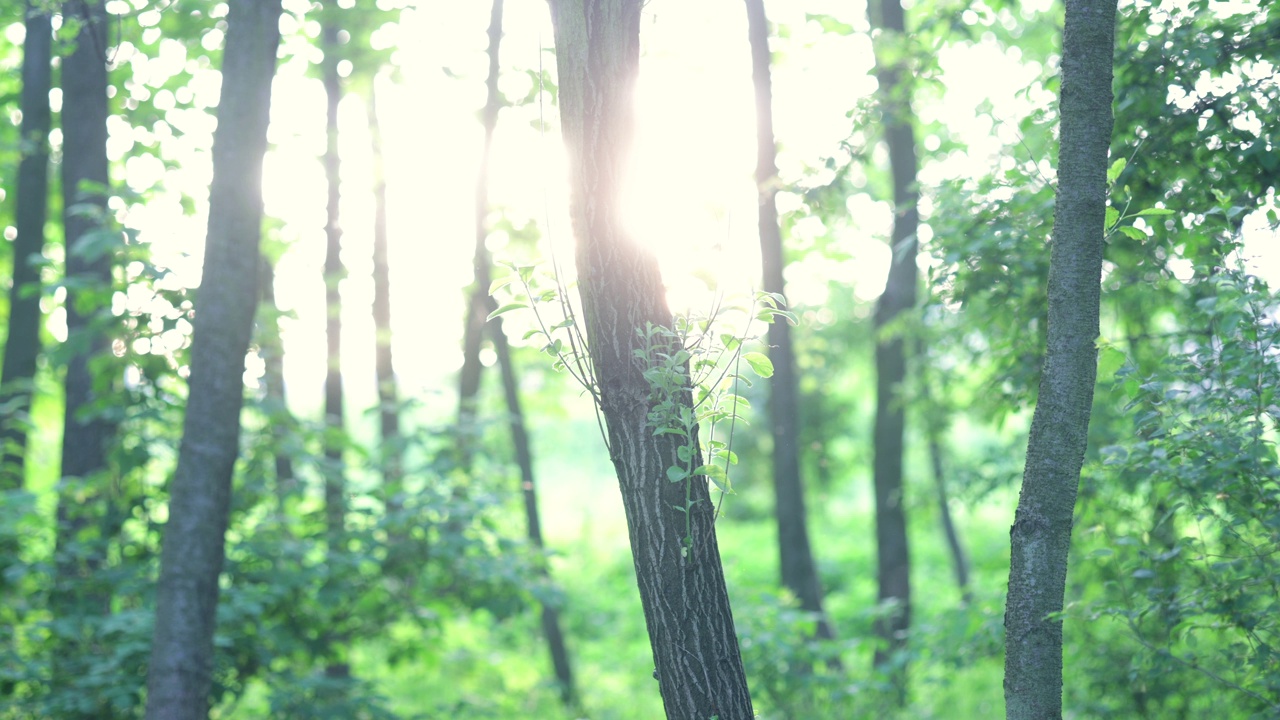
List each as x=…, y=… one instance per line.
x=892, y=550
x=200, y=495
x=22, y=345
x=799, y=573
x=686, y=605
x=1041, y=534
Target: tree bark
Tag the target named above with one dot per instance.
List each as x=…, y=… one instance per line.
x=892, y=549
x=1041, y=533
x=23, y=343
x=200, y=496
x=682, y=589
x=478, y=303
x=799, y=573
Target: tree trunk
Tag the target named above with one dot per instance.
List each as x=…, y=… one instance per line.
x=796, y=559
x=273, y=376
x=84, y=496
x=529, y=489
x=682, y=589
x=934, y=428
x=1041, y=534
x=478, y=303
x=388, y=397
x=334, y=481
x=23, y=343
x=200, y=496
x=335, y=503
x=892, y=549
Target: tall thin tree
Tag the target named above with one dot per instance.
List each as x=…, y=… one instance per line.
x=893, y=566
x=478, y=302
x=384, y=367
x=181, y=666
x=85, y=497
x=335, y=482
x=479, y=305
x=682, y=589
x=799, y=573
x=23, y=343
x=1041, y=534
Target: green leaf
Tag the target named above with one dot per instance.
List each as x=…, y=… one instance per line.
x=1133, y=232
x=1113, y=217
x=1116, y=168
x=760, y=364
x=676, y=473
x=1110, y=359
x=506, y=309
x=1156, y=211
x=500, y=283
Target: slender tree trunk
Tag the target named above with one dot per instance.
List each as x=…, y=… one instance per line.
x=529, y=489
x=796, y=559
x=388, y=397
x=273, y=376
x=334, y=483
x=335, y=504
x=23, y=343
x=682, y=589
x=200, y=496
x=892, y=549
x=478, y=303
x=85, y=497
x=934, y=428
x=1041, y=534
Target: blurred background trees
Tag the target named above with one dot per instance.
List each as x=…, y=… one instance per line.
x=422, y=542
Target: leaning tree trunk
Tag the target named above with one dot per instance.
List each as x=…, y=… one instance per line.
x=796, y=559
x=1041, y=534
x=200, y=496
x=682, y=589
x=23, y=343
x=892, y=549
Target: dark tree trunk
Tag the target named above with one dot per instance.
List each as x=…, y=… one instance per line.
x=85, y=498
x=524, y=459
x=23, y=343
x=796, y=558
x=200, y=496
x=892, y=550
x=388, y=397
x=478, y=303
x=1041, y=534
x=682, y=589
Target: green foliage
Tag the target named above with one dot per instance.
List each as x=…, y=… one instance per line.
x=1191, y=576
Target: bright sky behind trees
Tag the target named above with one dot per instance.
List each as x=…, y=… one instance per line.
x=692, y=191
